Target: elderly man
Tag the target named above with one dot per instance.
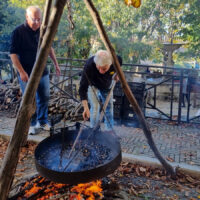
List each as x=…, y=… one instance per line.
x=24, y=44
x=96, y=81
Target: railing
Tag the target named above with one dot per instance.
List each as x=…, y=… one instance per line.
x=164, y=86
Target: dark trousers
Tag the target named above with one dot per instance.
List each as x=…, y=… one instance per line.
x=183, y=99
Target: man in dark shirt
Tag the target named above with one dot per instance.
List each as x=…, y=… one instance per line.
x=24, y=44
x=95, y=83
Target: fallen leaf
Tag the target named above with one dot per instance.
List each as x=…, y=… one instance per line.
x=19, y=174
x=147, y=174
x=133, y=191
x=187, y=194
x=198, y=190
x=142, y=169
x=190, y=179
x=169, y=159
x=137, y=171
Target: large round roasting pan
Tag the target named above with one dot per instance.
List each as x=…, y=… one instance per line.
x=49, y=152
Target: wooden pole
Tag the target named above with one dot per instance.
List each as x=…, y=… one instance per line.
x=11, y=157
x=97, y=21
x=46, y=15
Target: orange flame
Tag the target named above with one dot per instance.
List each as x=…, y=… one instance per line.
x=59, y=185
x=49, y=190
x=42, y=180
x=88, y=189
x=33, y=190
x=26, y=184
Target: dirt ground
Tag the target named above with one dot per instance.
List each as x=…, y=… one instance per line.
x=129, y=181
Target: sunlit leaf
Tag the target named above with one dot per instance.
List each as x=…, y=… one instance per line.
x=109, y=23
x=136, y=3
x=128, y=2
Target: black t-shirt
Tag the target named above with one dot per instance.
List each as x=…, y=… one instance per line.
x=91, y=76
x=24, y=43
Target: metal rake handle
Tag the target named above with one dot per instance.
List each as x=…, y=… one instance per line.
x=105, y=105
x=76, y=140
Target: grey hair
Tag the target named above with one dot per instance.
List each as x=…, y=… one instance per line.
x=33, y=8
x=102, y=58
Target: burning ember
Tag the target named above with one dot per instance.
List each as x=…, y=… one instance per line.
x=91, y=190
x=42, y=189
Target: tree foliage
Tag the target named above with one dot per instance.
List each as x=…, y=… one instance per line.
x=10, y=17
x=191, y=30
x=136, y=34
x=24, y=3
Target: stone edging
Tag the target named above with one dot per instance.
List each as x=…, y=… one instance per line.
x=193, y=171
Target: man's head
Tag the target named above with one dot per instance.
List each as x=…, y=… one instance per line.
x=33, y=17
x=103, y=61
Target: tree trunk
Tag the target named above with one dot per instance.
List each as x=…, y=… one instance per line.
x=97, y=21
x=24, y=115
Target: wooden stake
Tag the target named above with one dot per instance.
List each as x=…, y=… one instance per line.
x=10, y=161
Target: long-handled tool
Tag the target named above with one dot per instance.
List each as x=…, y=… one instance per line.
x=105, y=106
x=76, y=140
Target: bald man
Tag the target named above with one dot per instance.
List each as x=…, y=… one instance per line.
x=23, y=50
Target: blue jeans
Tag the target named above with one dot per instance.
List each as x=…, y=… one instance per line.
x=95, y=108
x=42, y=99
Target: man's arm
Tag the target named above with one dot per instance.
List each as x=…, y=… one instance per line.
x=83, y=95
x=83, y=89
x=53, y=58
x=15, y=60
x=15, y=46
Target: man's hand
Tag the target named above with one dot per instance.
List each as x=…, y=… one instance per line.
x=57, y=70
x=53, y=58
x=115, y=77
x=86, y=112
x=24, y=76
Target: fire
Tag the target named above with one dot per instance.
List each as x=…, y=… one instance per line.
x=43, y=189
x=88, y=189
x=39, y=186
x=33, y=190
